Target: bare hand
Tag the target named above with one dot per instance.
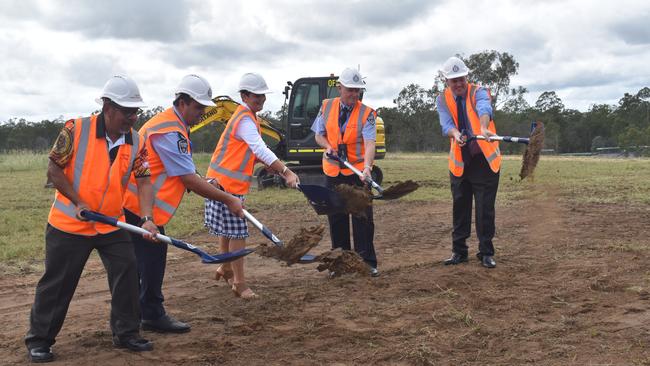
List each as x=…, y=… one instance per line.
x=152, y=229
x=459, y=138
x=291, y=179
x=235, y=206
x=487, y=133
x=366, y=174
x=330, y=151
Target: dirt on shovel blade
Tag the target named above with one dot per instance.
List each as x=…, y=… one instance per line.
x=399, y=190
x=298, y=246
x=533, y=150
x=357, y=199
x=339, y=261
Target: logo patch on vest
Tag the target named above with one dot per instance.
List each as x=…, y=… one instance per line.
x=182, y=145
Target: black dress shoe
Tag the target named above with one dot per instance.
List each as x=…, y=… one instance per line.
x=488, y=261
x=456, y=259
x=135, y=343
x=40, y=354
x=165, y=324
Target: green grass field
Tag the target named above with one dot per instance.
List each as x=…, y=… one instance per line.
x=26, y=203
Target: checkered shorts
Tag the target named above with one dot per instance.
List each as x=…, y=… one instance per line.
x=221, y=222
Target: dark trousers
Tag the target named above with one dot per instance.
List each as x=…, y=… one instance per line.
x=65, y=257
x=363, y=229
x=152, y=260
x=480, y=183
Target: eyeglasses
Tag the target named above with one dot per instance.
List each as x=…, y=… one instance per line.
x=126, y=111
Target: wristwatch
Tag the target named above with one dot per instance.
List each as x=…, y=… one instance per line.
x=145, y=219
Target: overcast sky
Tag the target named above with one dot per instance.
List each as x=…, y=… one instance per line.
x=56, y=54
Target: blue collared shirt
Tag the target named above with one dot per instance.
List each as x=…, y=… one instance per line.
x=483, y=106
x=173, y=152
x=369, y=131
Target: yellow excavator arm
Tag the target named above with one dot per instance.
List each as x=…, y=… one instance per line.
x=224, y=110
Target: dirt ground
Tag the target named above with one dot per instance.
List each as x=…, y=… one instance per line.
x=570, y=288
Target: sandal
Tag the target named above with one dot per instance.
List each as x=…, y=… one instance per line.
x=243, y=291
x=227, y=275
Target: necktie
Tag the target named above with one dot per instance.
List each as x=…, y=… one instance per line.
x=462, y=118
x=343, y=116
x=463, y=124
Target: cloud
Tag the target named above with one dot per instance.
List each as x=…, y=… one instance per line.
x=634, y=31
x=158, y=20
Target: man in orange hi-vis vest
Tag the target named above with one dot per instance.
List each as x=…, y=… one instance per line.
x=231, y=168
x=465, y=110
x=167, y=137
x=346, y=127
x=90, y=165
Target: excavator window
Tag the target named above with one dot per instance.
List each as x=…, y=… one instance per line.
x=305, y=109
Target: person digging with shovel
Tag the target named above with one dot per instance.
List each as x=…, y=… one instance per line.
x=473, y=165
x=89, y=166
x=231, y=169
x=167, y=136
x=346, y=127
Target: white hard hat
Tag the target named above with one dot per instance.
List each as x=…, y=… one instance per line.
x=123, y=91
x=454, y=68
x=253, y=83
x=197, y=88
x=351, y=78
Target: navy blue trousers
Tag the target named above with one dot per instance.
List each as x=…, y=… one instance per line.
x=363, y=229
x=478, y=183
x=152, y=260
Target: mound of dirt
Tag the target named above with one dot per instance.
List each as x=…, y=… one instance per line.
x=533, y=150
x=298, y=246
x=339, y=261
x=357, y=199
x=400, y=189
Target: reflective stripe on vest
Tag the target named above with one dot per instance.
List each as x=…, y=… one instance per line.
x=352, y=139
x=489, y=149
x=97, y=181
x=232, y=161
x=167, y=191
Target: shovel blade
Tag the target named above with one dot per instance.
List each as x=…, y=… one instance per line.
x=324, y=200
x=226, y=257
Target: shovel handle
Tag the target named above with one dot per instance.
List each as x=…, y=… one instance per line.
x=357, y=172
x=521, y=140
x=263, y=229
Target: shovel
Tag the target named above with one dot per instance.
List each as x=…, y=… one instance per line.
x=399, y=190
x=324, y=200
x=274, y=239
x=205, y=257
x=534, y=146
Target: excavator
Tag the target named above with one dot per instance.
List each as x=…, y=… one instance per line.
x=293, y=141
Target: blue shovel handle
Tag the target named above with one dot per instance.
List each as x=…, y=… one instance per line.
x=206, y=258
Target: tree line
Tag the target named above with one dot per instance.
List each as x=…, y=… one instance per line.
x=413, y=124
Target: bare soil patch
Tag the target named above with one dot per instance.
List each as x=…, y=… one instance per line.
x=570, y=288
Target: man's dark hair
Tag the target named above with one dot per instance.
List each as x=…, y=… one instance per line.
x=184, y=97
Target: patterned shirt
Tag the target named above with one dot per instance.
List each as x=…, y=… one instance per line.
x=62, y=151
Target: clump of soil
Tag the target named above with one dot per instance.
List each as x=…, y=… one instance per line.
x=533, y=150
x=339, y=261
x=357, y=199
x=400, y=189
x=298, y=246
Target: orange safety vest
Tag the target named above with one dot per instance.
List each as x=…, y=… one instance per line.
x=233, y=161
x=167, y=191
x=352, y=137
x=100, y=184
x=489, y=149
